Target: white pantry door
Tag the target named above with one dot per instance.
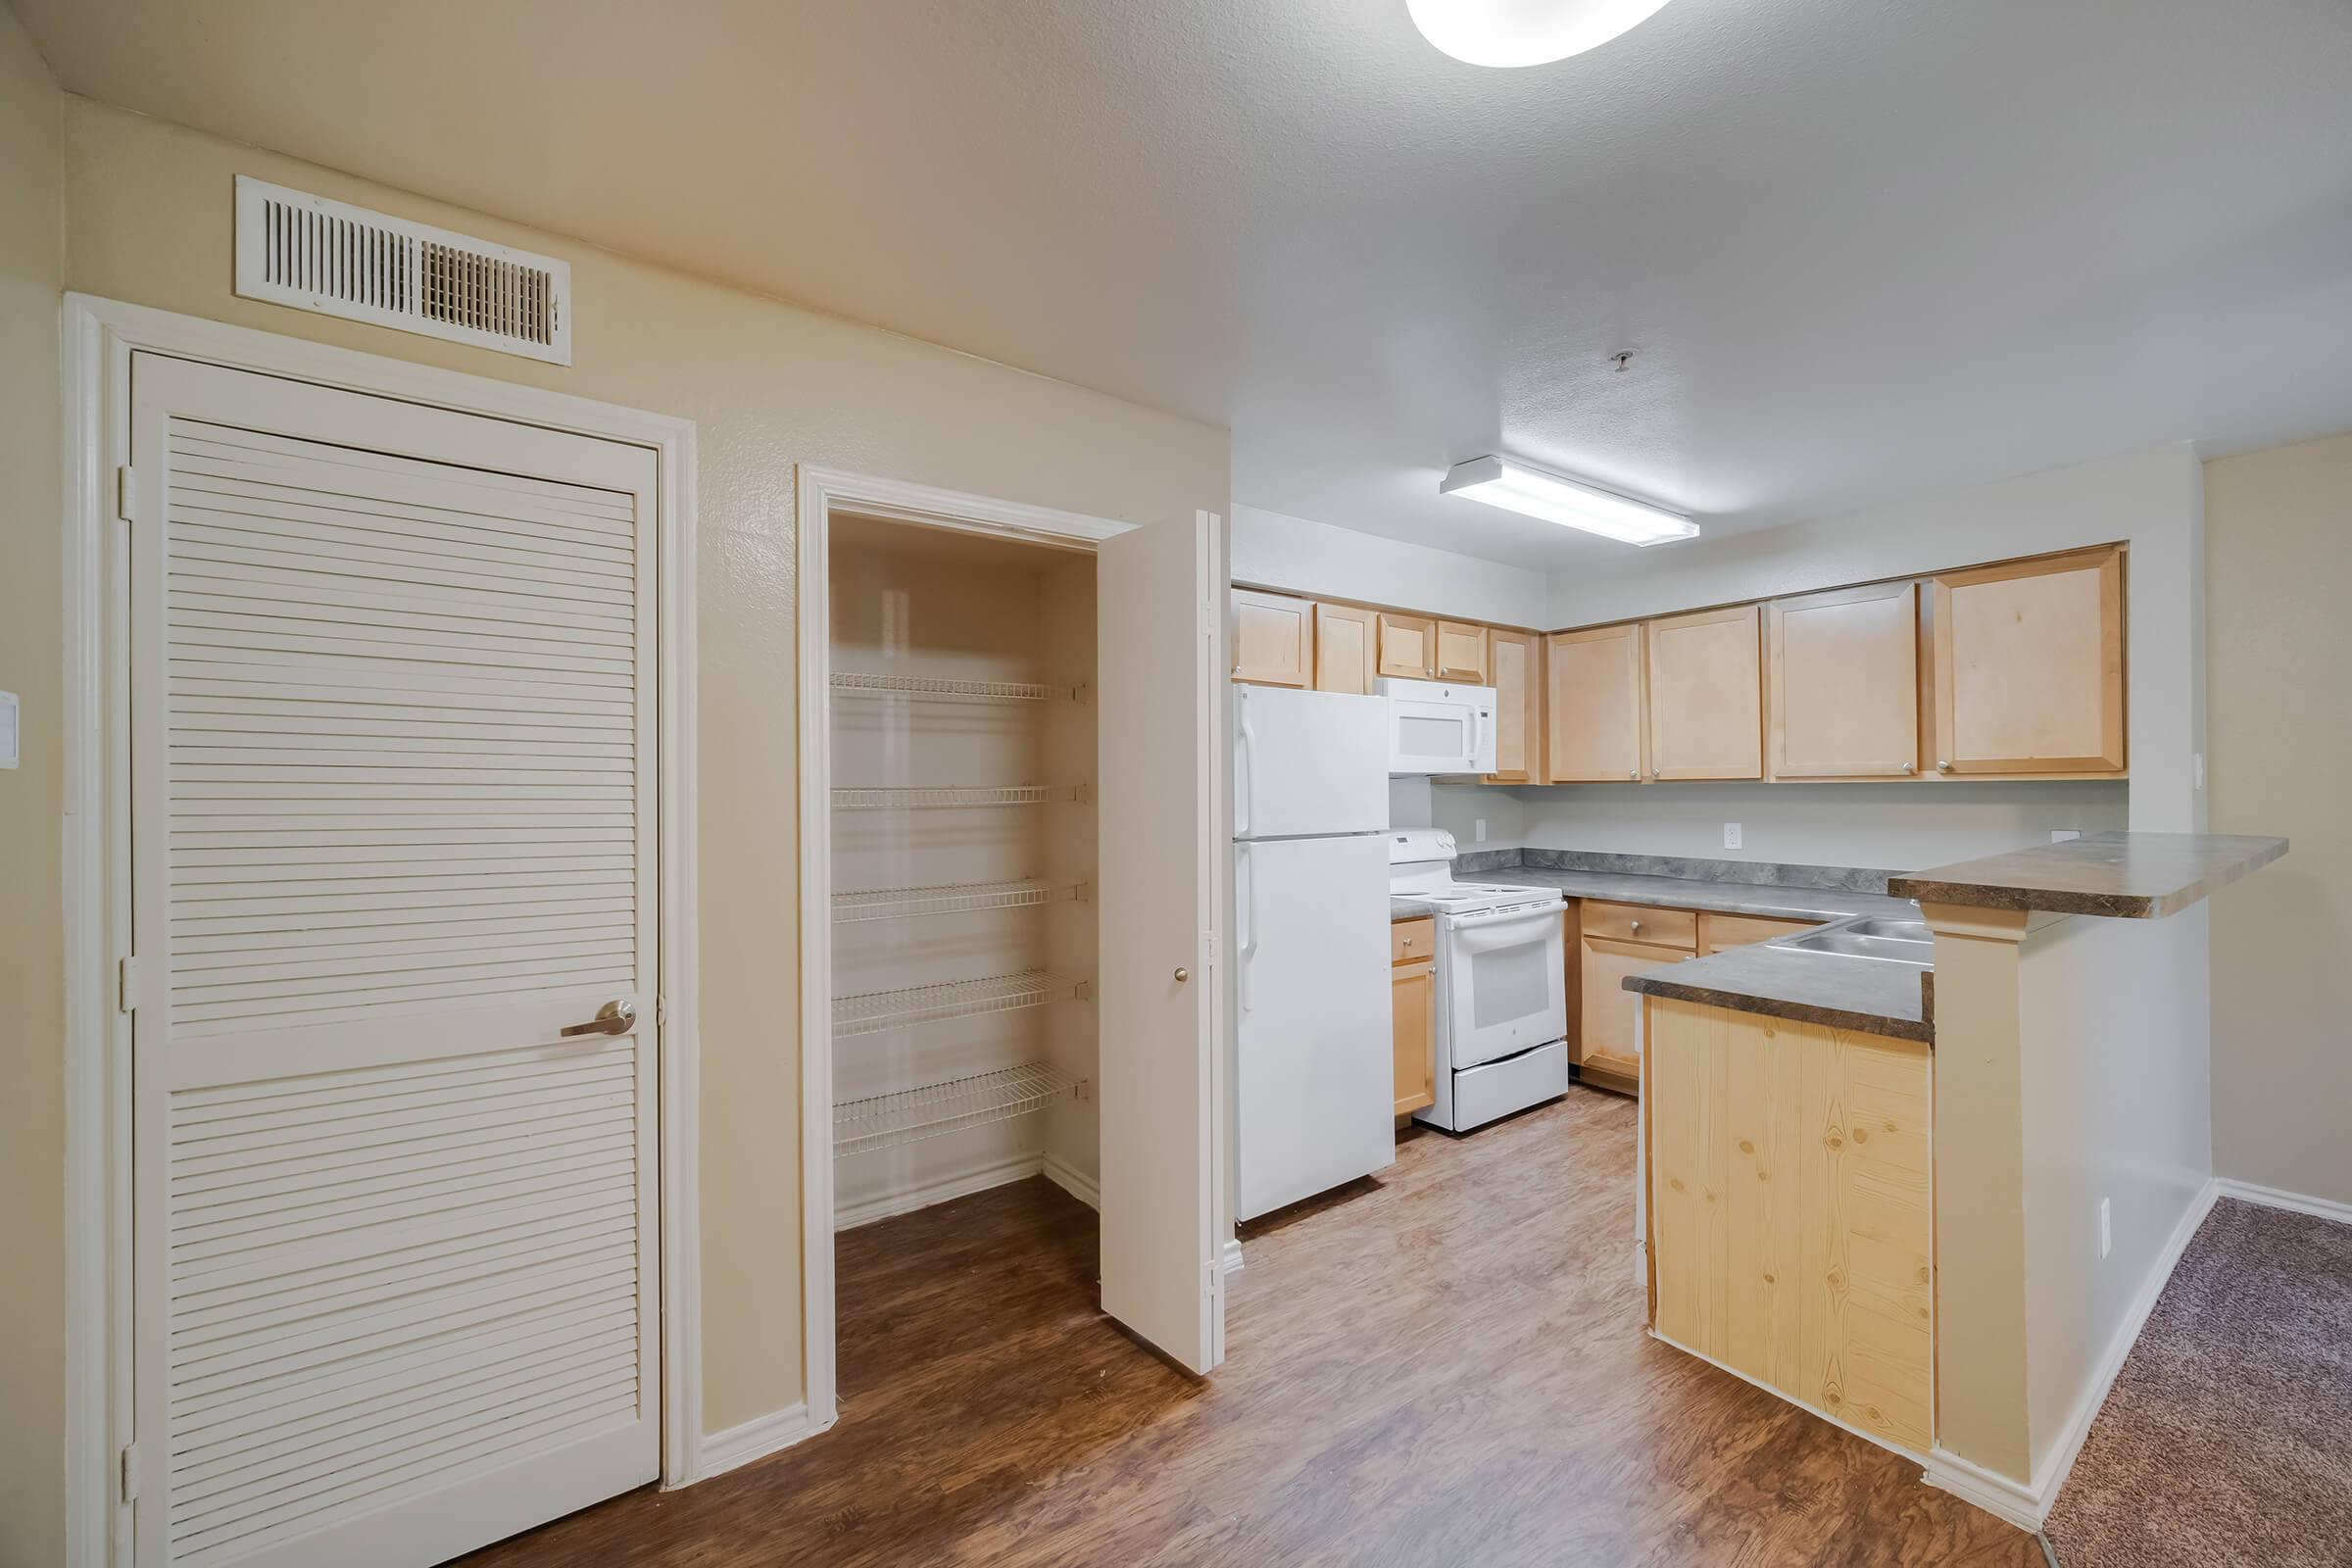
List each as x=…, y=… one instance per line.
x=393, y=830
x=1157, y=607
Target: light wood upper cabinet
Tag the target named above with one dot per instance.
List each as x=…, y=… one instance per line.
x=1595, y=723
x=1408, y=647
x=2028, y=666
x=1706, y=703
x=1462, y=652
x=1345, y=637
x=1516, y=672
x=1843, y=676
x=1273, y=638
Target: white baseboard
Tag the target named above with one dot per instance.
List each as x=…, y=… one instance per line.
x=1230, y=1255
x=906, y=1200
x=2009, y=1500
x=2028, y=1505
x=2278, y=1198
x=718, y=1452
x=1073, y=1181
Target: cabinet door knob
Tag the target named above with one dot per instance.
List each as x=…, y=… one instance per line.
x=1182, y=975
x=1634, y=925
x=1633, y=774
x=1943, y=767
x=1910, y=767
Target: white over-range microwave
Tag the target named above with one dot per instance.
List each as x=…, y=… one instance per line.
x=1438, y=727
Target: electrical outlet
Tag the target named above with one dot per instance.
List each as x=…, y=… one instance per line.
x=1480, y=829
x=2059, y=835
x=1731, y=835
x=2106, y=1226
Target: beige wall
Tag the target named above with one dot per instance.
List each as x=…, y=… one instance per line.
x=2279, y=581
x=32, y=1383
x=769, y=386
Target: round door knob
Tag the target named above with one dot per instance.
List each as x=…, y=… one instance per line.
x=1633, y=773
x=1634, y=926
x=1944, y=767
x=1182, y=975
x=1910, y=767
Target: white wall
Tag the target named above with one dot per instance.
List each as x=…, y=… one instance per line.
x=2281, y=574
x=1890, y=827
x=1272, y=549
x=2116, y=1106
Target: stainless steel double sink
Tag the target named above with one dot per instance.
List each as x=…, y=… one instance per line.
x=1882, y=938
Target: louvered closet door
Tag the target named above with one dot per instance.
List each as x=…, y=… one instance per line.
x=393, y=820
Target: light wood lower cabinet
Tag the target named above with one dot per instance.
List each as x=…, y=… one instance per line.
x=1273, y=639
x=1413, y=1011
x=1413, y=1018
x=1790, y=1205
x=1717, y=932
x=1607, y=1055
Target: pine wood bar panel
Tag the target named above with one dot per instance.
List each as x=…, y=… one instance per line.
x=1790, y=1218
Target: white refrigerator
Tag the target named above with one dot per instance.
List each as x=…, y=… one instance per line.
x=1314, y=1096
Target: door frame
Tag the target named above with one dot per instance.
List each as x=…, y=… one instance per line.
x=100, y=336
x=822, y=493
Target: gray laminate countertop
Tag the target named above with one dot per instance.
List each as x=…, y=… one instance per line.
x=1824, y=988
x=1769, y=900
x=2132, y=876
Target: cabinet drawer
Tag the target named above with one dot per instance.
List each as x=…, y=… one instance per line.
x=1634, y=922
x=1720, y=931
x=1410, y=941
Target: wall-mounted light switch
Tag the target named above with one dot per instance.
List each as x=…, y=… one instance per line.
x=8, y=729
x=1731, y=835
x=2106, y=1226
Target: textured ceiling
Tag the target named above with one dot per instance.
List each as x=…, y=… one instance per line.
x=1860, y=247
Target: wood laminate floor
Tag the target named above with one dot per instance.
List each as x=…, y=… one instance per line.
x=1441, y=1365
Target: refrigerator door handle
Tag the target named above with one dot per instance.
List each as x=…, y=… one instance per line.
x=1245, y=739
x=1246, y=947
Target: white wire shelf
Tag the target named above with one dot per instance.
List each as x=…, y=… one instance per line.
x=874, y=1012
x=964, y=691
x=955, y=898
x=933, y=1110
x=909, y=799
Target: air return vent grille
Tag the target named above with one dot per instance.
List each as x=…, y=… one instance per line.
x=317, y=255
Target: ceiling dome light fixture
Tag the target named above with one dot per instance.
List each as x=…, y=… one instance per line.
x=1523, y=32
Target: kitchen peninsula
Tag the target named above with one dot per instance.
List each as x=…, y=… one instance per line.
x=1890, y=1188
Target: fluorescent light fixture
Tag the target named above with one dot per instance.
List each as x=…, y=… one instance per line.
x=1515, y=487
x=1523, y=32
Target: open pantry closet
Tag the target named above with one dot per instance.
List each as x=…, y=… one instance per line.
x=963, y=868
x=1014, y=726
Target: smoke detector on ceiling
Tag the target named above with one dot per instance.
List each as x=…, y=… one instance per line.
x=312, y=254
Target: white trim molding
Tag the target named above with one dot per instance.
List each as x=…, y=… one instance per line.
x=756, y=1438
x=2028, y=1505
x=1073, y=1181
x=822, y=492
x=2280, y=1197
x=100, y=337
x=1230, y=1255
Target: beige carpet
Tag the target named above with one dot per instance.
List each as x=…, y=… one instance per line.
x=2227, y=1437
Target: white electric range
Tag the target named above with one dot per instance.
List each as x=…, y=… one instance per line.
x=1503, y=988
